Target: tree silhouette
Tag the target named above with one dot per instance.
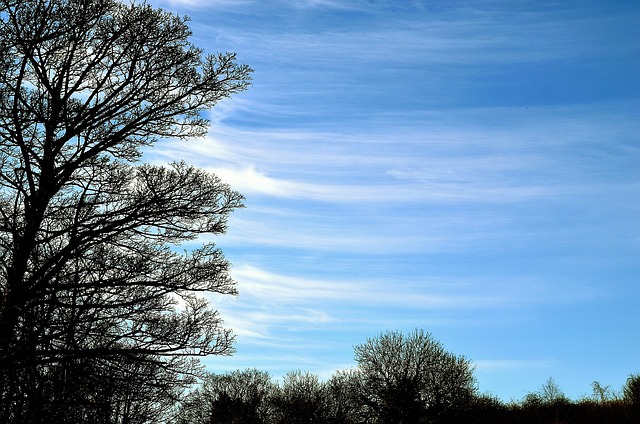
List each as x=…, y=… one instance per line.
x=300, y=399
x=343, y=403
x=412, y=378
x=89, y=271
x=242, y=397
x=631, y=394
x=550, y=393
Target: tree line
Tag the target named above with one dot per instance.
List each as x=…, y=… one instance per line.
x=398, y=379
x=251, y=396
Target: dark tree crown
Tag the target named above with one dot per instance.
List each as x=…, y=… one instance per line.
x=90, y=265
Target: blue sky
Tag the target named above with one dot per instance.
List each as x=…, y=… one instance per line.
x=465, y=167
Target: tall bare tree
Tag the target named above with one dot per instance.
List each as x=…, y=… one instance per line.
x=89, y=264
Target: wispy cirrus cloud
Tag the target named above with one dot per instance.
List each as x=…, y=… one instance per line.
x=274, y=312
x=451, y=36
x=422, y=186
x=435, y=292
x=513, y=156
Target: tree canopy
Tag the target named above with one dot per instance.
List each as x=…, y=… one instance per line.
x=91, y=274
x=411, y=378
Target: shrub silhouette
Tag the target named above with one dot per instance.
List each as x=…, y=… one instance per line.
x=631, y=395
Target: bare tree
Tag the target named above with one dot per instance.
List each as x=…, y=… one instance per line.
x=343, y=399
x=300, y=399
x=412, y=378
x=242, y=397
x=550, y=393
x=89, y=264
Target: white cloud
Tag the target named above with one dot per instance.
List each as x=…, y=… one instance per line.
x=427, y=292
x=249, y=181
x=322, y=235
x=465, y=38
x=526, y=157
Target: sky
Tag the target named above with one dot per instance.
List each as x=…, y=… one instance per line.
x=469, y=168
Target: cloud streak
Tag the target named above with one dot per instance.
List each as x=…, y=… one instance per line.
x=429, y=292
